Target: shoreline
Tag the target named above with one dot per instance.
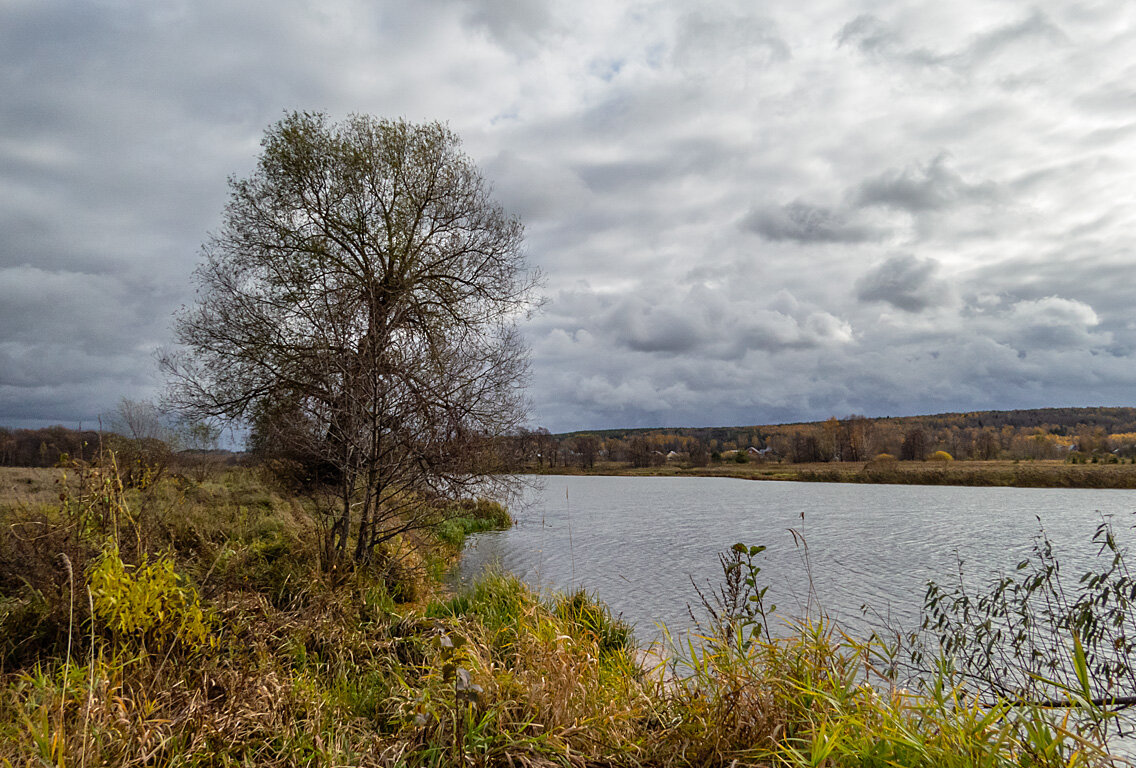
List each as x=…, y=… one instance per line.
x=990, y=474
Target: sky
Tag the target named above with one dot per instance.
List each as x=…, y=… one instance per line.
x=744, y=212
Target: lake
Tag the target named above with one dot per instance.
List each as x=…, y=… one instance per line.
x=636, y=542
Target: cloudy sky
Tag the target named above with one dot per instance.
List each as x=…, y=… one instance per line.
x=746, y=213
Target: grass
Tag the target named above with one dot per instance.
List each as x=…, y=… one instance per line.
x=470, y=516
x=1021, y=474
x=202, y=632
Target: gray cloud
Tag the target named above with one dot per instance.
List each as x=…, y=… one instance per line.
x=924, y=187
x=804, y=223
x=870, y=34
x=881, y=40
x=727, y=43
x=515, y=24
x=1054, y=323
x=904, y=281
x=644, y=147
x=664, y=325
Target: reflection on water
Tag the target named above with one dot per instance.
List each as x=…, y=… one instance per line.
x=637, y=542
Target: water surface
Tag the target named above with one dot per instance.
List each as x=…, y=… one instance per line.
x=637, y=542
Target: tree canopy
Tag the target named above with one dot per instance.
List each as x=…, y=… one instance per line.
x=359, y=307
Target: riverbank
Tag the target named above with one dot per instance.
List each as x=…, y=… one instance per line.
x=190, y=623
x=1018, y=474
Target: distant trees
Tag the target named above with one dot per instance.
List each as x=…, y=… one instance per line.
x=806, y=448
x=639, y=452
x=914, y=447
x=983, y=435
x=358, y=309
x=1093, y=440
x=142, y=439
x=8, y=447
x=588, y=447
x=985, y=445
x=46, y=446
x=700, y=455
x=855, y=440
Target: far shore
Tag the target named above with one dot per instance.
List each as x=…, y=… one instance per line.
x=1018, y=474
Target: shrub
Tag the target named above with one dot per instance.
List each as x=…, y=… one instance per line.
x=941, y=456
x=147, y=605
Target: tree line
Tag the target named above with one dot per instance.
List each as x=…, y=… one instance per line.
x=44, y=447
x=1104, y=434
x=1046, y=433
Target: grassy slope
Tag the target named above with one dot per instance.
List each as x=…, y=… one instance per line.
x=245, y=652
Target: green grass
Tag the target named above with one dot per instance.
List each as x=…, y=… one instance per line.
x=467, y=517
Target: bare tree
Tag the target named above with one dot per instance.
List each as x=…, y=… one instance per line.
x=142, y=440
x=588, y=446
x=358, y=307
x=914, y=446
x=140, y=420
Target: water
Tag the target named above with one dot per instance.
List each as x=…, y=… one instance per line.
x=636, y=542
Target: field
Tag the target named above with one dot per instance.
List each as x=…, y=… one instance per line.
x=1025, y=474
x=191, y=622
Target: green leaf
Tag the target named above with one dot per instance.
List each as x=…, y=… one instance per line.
x=1080, y=664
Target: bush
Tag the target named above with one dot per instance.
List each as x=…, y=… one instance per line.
x=941, y=456
x=149, y=605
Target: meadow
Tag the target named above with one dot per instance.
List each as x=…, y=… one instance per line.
x=184, y=620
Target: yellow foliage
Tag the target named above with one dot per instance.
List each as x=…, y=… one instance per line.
x=941, y=456
x=148, y=604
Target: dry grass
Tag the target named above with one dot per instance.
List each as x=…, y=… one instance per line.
x=33, y=487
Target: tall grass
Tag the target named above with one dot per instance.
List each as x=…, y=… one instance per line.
x=457, y=521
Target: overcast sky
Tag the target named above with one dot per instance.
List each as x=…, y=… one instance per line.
x=746, y=213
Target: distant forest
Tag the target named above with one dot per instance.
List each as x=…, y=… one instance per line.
x=57, y=446
x=45, y=447
x=1073, y=434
